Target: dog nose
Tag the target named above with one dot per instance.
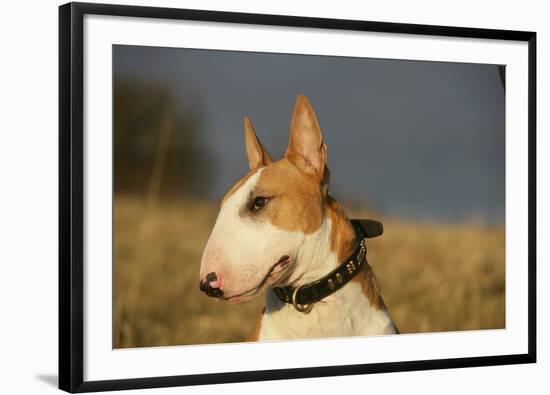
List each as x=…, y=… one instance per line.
x=211, y=285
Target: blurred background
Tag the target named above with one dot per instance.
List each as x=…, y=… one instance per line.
x=417, y=145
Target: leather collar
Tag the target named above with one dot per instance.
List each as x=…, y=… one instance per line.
x=305, y=296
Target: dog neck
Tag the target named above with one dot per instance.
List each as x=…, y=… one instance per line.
x=325, y=249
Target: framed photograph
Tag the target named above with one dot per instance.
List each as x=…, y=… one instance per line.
x=249, y=197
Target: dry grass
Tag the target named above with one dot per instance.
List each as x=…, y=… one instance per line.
x=434, y=277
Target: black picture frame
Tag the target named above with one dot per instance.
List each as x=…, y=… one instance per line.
x=71, y=198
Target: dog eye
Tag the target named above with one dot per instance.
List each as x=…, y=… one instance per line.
x=258, y=203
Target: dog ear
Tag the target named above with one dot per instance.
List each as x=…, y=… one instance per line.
x=255, y=151
x=306, y=148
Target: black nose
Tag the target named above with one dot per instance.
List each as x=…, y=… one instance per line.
x=205, y=286
x=212, y=276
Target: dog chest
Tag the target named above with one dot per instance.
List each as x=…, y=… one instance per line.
x=345, y=313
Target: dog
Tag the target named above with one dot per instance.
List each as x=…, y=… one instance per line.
x=278, y=229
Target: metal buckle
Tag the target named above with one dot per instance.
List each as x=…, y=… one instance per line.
x=300, y=307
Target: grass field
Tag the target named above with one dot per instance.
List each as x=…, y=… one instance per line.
x=434, y=277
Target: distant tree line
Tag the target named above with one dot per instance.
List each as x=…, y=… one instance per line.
x=156, y=141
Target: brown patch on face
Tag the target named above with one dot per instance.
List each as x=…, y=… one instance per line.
x=255, y=335
x=295, y=198
x=237, y=185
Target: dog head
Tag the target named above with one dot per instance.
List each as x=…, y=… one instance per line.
x=272, y=220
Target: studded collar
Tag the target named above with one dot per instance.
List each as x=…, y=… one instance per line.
x=305, y=296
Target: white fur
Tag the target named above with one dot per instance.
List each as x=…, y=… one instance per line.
x=347, y=312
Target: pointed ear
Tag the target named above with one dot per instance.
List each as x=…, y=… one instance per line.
x=255, y=151
x=306, y=148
